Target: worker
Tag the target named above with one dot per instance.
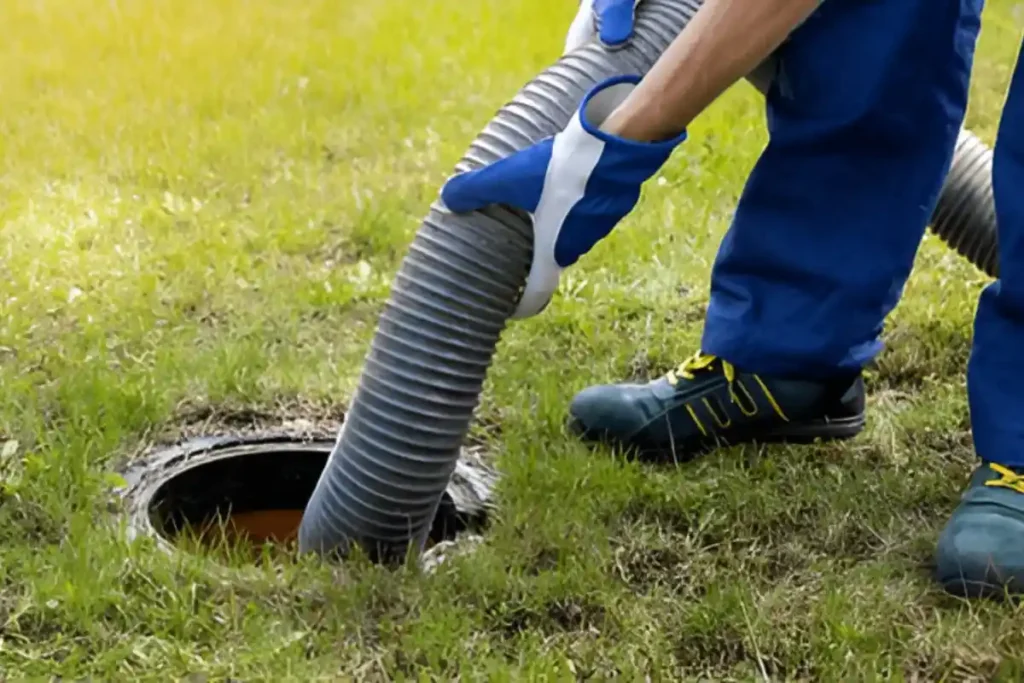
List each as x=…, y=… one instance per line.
x=863, y=112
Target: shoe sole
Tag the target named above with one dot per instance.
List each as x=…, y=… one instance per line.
x=811, y=431
x=825, y=429
x=978, y=590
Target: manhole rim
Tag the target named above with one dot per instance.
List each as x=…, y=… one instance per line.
x=145, y=476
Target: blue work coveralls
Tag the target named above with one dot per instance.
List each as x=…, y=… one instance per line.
x=863, y=117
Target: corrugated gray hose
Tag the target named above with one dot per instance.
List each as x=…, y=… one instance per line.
x=459, y=284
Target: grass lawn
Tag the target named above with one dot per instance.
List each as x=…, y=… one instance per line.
x=202, y=205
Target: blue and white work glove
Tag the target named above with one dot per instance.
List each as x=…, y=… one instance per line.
x=577, y=185
x=610, y=21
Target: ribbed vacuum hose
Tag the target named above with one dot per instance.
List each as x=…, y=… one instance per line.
x=459, y=284
x=965, y=217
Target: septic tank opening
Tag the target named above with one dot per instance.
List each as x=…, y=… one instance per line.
x=253, y=494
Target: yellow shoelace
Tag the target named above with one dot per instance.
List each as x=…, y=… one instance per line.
x=1010, y=479
x=700, y=361
x=703, y=361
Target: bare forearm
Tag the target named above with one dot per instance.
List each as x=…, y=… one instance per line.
x=725, y=41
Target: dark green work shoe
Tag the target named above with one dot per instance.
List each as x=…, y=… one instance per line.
x=707, y=403
x=981, y=551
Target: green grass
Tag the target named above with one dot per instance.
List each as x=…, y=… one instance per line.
x=203, y=204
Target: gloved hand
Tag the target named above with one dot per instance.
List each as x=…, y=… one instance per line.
x=577, y=185
x=611, y=21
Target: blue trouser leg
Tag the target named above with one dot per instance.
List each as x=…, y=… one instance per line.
x=863, y=118
x=995, y=374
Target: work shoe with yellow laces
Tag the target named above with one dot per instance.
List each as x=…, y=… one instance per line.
x=981, y=551
x=706, y=403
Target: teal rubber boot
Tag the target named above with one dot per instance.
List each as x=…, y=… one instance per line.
x=980, y=553
x=707, y=403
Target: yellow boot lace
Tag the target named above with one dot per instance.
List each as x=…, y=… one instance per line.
x=1010, y=479
x=697, y=362
x=703, y=361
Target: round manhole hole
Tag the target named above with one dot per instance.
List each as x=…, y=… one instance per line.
x=250, y=492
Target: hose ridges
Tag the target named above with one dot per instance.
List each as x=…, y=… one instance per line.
x=454, y=292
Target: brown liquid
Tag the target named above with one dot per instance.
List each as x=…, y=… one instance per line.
x=256, y=527
x=276, y=526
